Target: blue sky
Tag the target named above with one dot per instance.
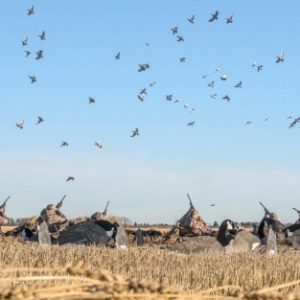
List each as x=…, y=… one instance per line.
x=146, y=178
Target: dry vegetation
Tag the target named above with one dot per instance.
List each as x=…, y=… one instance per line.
x=150, y=270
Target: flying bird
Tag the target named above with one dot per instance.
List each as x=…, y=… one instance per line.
x=20, y=125
x=204, y=76
x=259, y=68
x=226, y=97
x=91, y=100
x=32, y=78
x=213, y=205
x=143, y=67
x=39, y=54
x=147, y=44
x=186, y=105
x=27, y=53
x=248, y=123
x=152, y=83
x=229, y=19
x=70, y=178
x=211, y=84
x=169, y=97
x=135, y=132
x=99, y=144
x=176, y=101
x=64, y=144
x=238, y=85
x=118, y=56
x=180, y=38
x=42, y=36
x=294, y=123
x=266, y=119
x=214, y=16
x=25, y=41
x=191, y=123
x=213, y=96
x=280, y=57
x=39, y=120
x=141, y=96
x=174, y=30
x=191, y=19
x=182, y=59
x=223, y=77
x=30, y=11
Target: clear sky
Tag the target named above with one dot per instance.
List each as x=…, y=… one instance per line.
x=219, y=160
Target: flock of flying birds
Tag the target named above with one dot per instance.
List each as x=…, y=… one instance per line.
x=144, y=67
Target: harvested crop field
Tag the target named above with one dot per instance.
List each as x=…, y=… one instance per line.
x=149, y=270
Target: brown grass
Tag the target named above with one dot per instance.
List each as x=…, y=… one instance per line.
x=191, y=273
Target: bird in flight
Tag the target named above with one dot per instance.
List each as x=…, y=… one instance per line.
x=30, y=11
x=258, y=67
x=214, y=16
x=191, y=19
x=152, y=83
x=135, y=132
x=186, y=105
x=147, y=44
x=39, y=54
x=27, y=53
x=226, y=97
x=25, y=41
x=143, y=67
x=294, y=123
x=176, y=101
x=39, y=120
x=191, y=123
x=182, y=59
x=238, y=85
x=99, y=144
x=213, y=96
x=223, y=77
x=32, y=78
x=42, y=35
x=169, y=97
x=91, y=100
x=70, y=178
x=20, y=124
x=64, y=144
x=204, y=76
x=141, y=96
x=211, y=84
x=118, y=56
x=248, y=123
x=212, y=205
x=174, y=30
x=180, y=38
x=229, y=19
x=280, y=57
